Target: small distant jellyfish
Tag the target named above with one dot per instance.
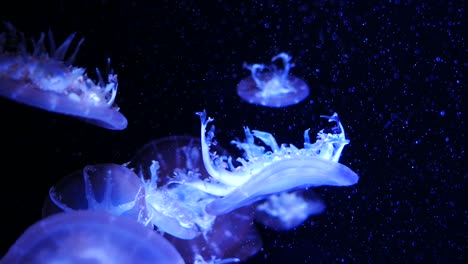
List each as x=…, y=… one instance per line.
x=47, y=80
x=272, y=86
x=287, y=210
x=104, y=187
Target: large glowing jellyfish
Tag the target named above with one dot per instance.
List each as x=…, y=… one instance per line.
x=48, y=81
x=271, y=86
x=178, y=210
x=97, y=237
x=265, y=173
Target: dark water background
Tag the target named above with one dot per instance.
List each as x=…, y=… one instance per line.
x=393, y=70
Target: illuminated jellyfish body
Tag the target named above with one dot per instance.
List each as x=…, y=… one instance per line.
x=48, y=81
x=287, y=210
x=83, y=237
x=271, y=86
x=177, y=210
x=265, y=173
x=103, y=187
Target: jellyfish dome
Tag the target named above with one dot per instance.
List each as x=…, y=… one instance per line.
x=83, y=237
x=272, y=86
x=107, y=187
x=47, y=80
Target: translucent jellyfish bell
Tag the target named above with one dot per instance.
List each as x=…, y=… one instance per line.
x=83, y=237
x=272, y=86
x=103, y=187
x=45, y=79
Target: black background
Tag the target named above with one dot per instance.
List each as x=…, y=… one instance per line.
x=391, y=69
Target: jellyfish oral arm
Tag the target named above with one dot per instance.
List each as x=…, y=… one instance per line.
x=338, y=141
x=219, y=174
x=274, y=85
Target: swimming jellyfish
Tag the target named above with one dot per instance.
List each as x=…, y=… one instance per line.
x=82, y=237
x=264, y=173
x=177, y=210
x=287, y=210
x=271, y=86
x=47, y=80
x=102, y=187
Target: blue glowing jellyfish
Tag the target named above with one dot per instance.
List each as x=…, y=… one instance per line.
x=263, y=173
x=287, y=210
x=272, y=86
x=48, y=81
x=98, y=237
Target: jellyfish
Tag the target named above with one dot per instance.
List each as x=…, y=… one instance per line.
x=271, y=86
x=85, y=236
x=104, y=187
x=178, y=210
x=287, y=210
x=47, y=80
x=264, y=173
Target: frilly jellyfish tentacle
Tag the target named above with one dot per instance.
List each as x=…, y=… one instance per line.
x=205, y=147
x=111, y=86
x=307, y=143
x=151, y=184
x=329, y=146
x=341, y=137
x=287, y=65
x=251, y=150
x=256, y=70
x=267, y=138
x=219, y=174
